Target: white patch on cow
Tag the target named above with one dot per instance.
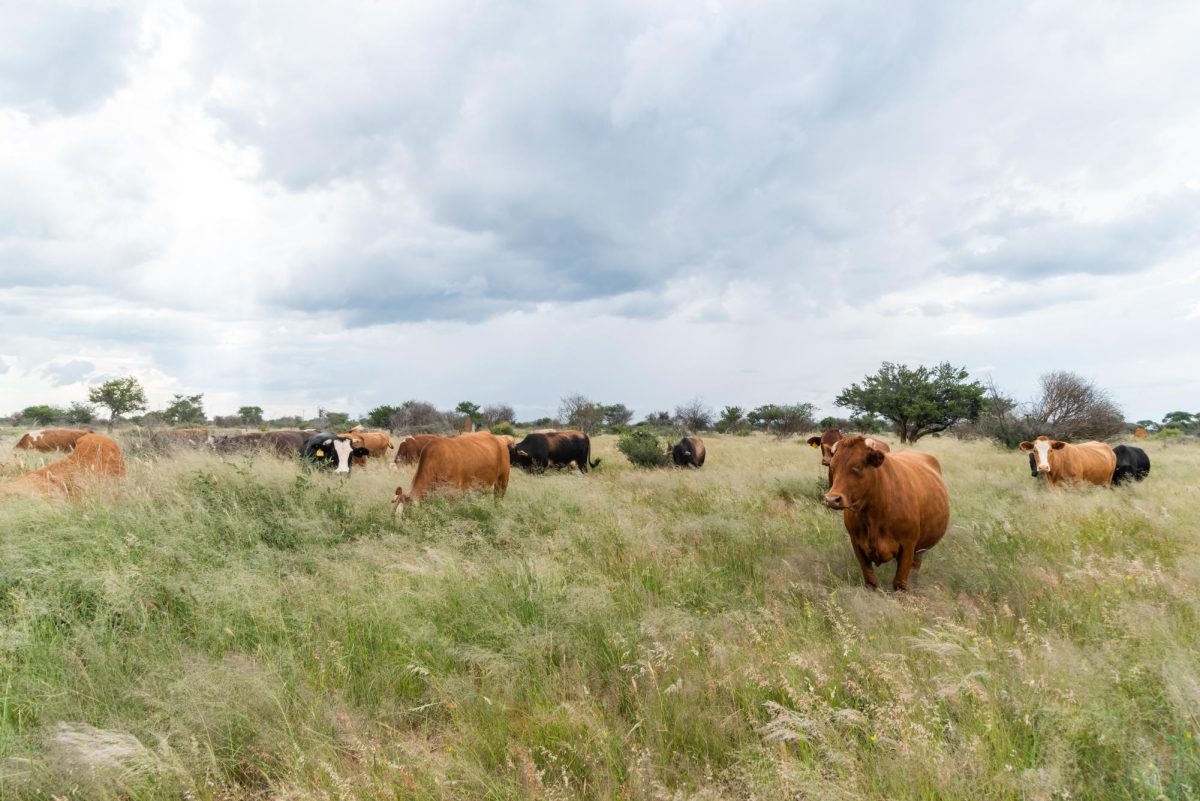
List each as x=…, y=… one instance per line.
x=34, y=436
x=1042, y=448
x=406, y=439
x=870, y=443
x=342, y=448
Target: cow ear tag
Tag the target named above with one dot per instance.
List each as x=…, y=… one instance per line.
x=320, y=452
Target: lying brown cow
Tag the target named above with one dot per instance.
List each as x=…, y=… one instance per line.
x=52, y=439
x=468, y=461
x=409, y=449
x=1063, y=463
x=894, y=505
x=95, y=456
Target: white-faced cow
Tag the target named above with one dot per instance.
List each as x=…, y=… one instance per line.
x=1064, y=463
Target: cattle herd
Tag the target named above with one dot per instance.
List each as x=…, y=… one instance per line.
x=895, y=506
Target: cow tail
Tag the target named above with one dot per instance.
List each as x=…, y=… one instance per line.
x=591, y=464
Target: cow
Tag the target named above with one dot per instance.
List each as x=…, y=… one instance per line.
x=325, y=449
x=1063, y=463
x=894, y=505
x=52, y=439
x=95, y=456
x=172, y=437
x=468, y=461
x=377, y=443
x=829, y=439
x=285, y=442
x=409, y=449
x=236, y=443
x=538, y=451
x=688, y=452
x=1140, y=433
x=1132, y=463
x=1033, y=466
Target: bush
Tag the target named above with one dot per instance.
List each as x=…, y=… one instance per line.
x=504, y=427
x=643, y=449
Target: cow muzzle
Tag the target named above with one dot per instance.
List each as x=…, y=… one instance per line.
x=1043, y=468
x=834, y=501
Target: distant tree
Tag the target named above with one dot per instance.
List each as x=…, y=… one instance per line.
x=732, y=418
x=419, y=417
x=184, y=409
x=918, y=401
x=250, y=415
x=581, y=412
x=120, y=396
x=868, y=423
x=336, y=420
x=287, y=421
x=1149, y=425
x=1003, y=419
x=235, y=421
x=382, y=416
x=694, y=416
x=783, y=420
x=470, y=410
x=658, y=420
x=42, y=414
x=1184, y=421
x=615, y=415
x=495, y=413
x=1072, y=408
x=80, y=413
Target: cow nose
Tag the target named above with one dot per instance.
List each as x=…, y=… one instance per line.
x=824, y=463
x=1043, y=468
x=833, y=501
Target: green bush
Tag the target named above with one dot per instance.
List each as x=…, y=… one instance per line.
x=643, y=449
x=504, y=427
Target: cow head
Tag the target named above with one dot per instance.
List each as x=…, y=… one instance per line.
x=854, y=462
x=399, y=500
x=826, y=442
x=329, y=449
x=1043, y=449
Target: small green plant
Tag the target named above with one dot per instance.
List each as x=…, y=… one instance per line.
x=504, y=427
x=643, y=449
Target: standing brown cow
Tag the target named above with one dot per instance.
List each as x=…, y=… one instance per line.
x=51, y=439
x=409, y=449
x=1063, y=463
x=895, y=506
x=468, y=461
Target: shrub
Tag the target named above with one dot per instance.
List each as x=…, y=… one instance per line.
x=504, y=427
x=643, y=449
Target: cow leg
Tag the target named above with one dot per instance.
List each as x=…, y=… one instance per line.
x=868, y=570
x=900, y=583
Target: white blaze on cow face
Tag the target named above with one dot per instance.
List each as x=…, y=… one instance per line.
x=34, y=436
x=342, y=447
x=1042, y=448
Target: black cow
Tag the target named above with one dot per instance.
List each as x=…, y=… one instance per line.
x=326, y=449
x=1131, y=463
x=689, y=452
x=1033, y=465
x=556, y=449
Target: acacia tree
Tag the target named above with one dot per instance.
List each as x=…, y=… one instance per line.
x=919, y=401
x=184, y=409
x=731, y=419
x=120, y=396
x=250, y=415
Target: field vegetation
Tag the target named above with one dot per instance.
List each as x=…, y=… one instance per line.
x=247, y=628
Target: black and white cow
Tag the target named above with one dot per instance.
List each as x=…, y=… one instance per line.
x=325, y=449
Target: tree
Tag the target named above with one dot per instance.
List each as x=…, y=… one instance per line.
x=658, y=420
x=471, y=411
x=581, y=412
x=337, y=420
x=80, y=413
x=783, y=420
x=120, y=396
x=693, y=416
x=1184, y=421
x=616, y=414
x=918, y=401
x=1072, y=408
x=382, y=416
x=250, y=415
x=184, y=409
x=731, y=419
x=419, y=417
x=42, y=414
x=496, y=413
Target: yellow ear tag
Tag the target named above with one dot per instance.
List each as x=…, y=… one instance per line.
x=320, y=452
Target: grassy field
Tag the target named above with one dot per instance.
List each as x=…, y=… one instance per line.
x=248, y=629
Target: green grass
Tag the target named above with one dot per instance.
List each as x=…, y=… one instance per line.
x=237, y=629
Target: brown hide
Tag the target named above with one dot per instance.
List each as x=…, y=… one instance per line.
x=51, y=439
x=829, y=439
x=895, y=506
x=468, y=461
x=409, y=449
x=1093, y=461
x=1140, y=433
x=377, y=442
x=95, y=457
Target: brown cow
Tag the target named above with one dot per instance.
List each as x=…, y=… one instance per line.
x=168, y=437
x=52, y=439
x=1063, y=463
x=1140, y=433
x=894, y=505
x=468, y=461
x=831, y=436
x=95, y=456
x=377, y=442
x=409, y=449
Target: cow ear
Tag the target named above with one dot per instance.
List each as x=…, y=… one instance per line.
x=520, y=452
x=874, y=458
x=1058, y=445
x=328, y=442
x=814, y=442
x=1026, y=446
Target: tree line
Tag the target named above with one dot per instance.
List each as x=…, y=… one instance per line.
x=910, y=402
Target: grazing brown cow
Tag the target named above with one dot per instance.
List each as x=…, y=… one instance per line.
x=51, y=439
x=468, y=461
x=894, y=505
x=1063, y=463
x=829, y=439
x=409, y=449
x=95, y=456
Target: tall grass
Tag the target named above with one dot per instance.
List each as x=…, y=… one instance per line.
x=246, y=628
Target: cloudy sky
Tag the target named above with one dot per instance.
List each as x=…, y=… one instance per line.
x=346, y=204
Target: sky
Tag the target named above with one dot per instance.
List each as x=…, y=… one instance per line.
x=309, y=204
